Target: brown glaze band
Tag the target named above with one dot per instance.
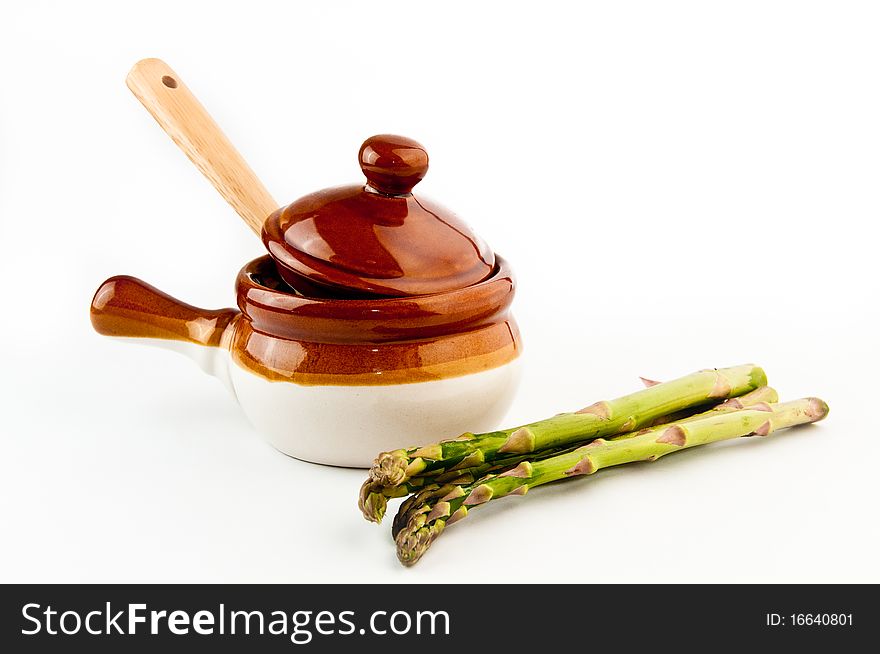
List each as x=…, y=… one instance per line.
x=372, y=341
x=310, y=363
x=284, y=336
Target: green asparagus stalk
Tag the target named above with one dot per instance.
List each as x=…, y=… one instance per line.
x=428, y=519
x=604, y=418
x=419, y=493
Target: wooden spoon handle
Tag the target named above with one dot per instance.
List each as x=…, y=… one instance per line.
x=191, y=127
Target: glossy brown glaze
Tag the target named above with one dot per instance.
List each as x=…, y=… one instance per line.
x=127, y=306
x=284, y=336
x=377, y=239
x=393, y=165
x=359, y=364
x=276, y=312
x=287, y=337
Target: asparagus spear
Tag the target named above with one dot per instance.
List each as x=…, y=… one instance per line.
x=604, y=418
x=429, y=486
x=428, y=519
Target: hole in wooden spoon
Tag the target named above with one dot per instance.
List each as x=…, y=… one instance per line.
x=169, y=81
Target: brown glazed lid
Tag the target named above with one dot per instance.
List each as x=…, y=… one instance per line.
x=378, y=238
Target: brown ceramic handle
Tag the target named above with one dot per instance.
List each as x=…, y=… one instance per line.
x=393, y=164
x=191, y=127
x=127, y=306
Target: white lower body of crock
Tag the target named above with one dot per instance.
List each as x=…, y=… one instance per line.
x=349, y=425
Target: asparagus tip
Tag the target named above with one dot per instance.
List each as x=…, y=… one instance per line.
x=371, y=503
x=414, y=540
x=389, y=468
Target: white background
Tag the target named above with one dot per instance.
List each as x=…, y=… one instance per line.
x=679, y=185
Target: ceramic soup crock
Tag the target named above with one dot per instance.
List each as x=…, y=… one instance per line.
x=332, y=358
x=337, y=381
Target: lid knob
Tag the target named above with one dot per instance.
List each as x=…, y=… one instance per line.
x=393, y=164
